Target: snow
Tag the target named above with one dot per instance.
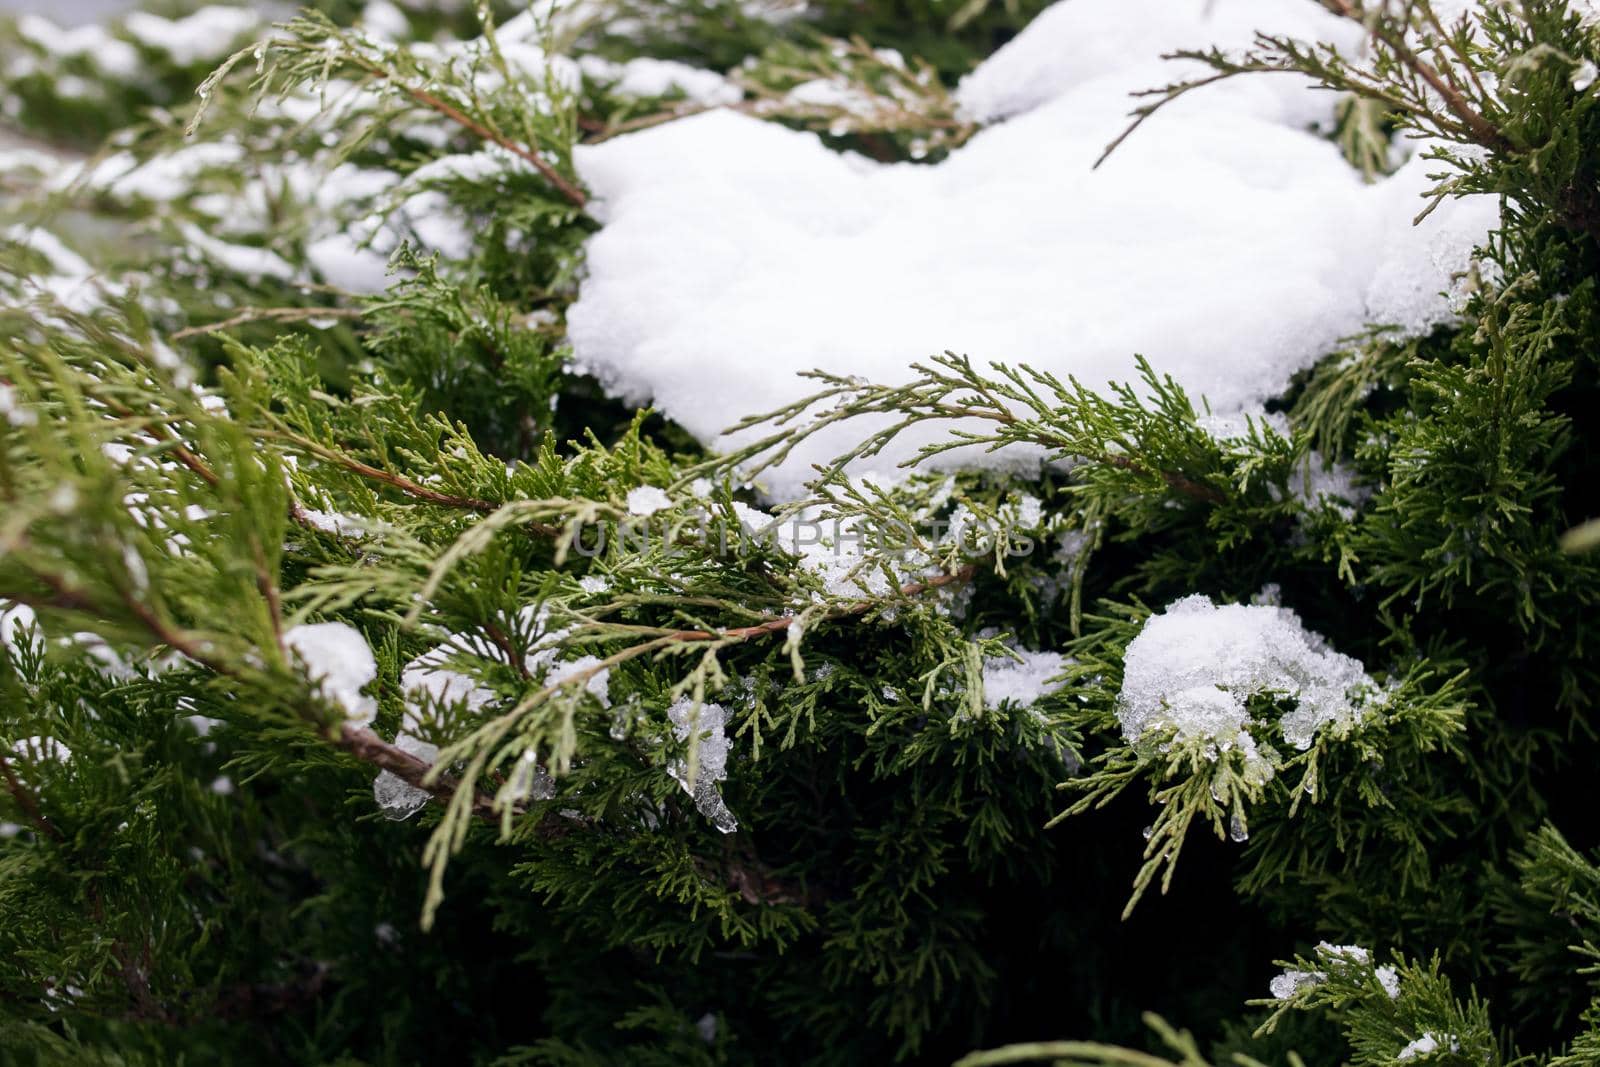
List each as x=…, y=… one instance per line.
x=1347, y=953
x=647, y=500
x=1020, y=683
x=163, y=177
x=1429, y=260
x=703, y=727
x=430, y=678
x=244, y=260
x=117, y=58
x=336, y=523
x=598, y=684
x=1420, y=1047
x=16, y=414
x=479, y=166
x=63, y=260
x=22, y=158
x=338, y=660
x=1318, y=483
x=340, y=261
x=834, y=550
x=646, y=76
x=41, y=750
x=1290, y=982
x=72, y=282
x=1193, y=667
x=382, y=19
x=429, y=682
x=14, y=621
x=1315, y=483
x=1390, y=980
x=724, y=235
x=204, y=36
x=427, y=679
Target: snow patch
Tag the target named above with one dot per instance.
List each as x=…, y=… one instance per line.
x=646, y=76
x=15, y=623
x=1023, y=682
x=1426, y=1045
x=647, y=500
x=1193, y=668
x=206, y=36
x=41, y=750
x=339, y=662
x=723, y=234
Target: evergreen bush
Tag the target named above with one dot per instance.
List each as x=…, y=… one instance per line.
x=377, y=688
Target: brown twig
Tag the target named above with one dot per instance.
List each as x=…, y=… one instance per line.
x=180, y=451
x=394, y=481
x=1187, y=486
x=503, y=642
x=780, y=623
x=27, y=802
x=282, y=314
x=1481, y=129
x=401, y=483
x=368, y=747
x=428, y=100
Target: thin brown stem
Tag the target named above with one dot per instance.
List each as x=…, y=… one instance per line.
x=160, y=429
x=1479, y=128
x=428, y=100
x=27, y=802
x=283, y=314
x=780, y=623
x=503, y=642
x=269, y=590
x=368, y=747
x=389, y=478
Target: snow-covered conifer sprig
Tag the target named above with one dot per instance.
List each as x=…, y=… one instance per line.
x=237, y=479
x=872, y=98
x=1138, y=447
x=513, y=96
x=1006, y=407
x=1229, y=714
x=1508, y=125
x=1392, y=1013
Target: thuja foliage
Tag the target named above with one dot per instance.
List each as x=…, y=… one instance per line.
x=290, y=544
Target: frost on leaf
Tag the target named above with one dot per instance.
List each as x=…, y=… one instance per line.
x=1194, y=668
x=702, y=726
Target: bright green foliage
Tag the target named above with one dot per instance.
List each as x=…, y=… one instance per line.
x=210, y=450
